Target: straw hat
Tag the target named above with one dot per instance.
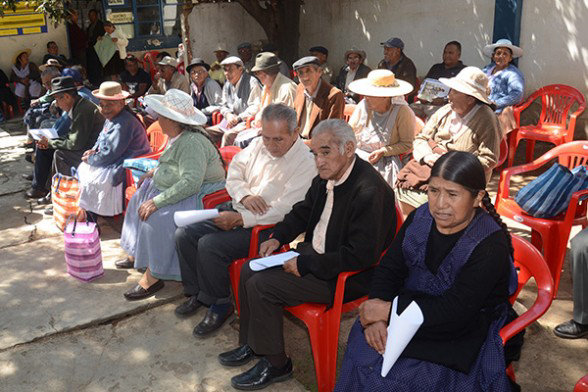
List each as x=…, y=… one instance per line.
x=503, y=43
x=50, y=63
x=471, y=81
x=111, y=91
x=19, y=52
x=175, y=105
x=380, y=83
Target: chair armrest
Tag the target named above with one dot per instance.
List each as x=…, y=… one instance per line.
x=577, y=197
x=506, y=174
x=340, y=288
x=254, y=242
x=517, y=109
x=213, y=199
x=542, y=303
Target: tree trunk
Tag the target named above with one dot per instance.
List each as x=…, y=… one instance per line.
x=281, y=22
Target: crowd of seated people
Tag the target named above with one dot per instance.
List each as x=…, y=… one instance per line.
x=303, y=169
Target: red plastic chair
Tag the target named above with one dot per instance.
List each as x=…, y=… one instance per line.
x=530, y=264
x=149, y=62
x=348, y=111
x=228, y=152
x=158, y=142
x=553, y=126
x=582, y=384
x=213, y=199
x=217, y=117
x=503, y=153
x=549, y=235
x=323, y=326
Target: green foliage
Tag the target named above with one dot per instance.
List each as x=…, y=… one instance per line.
x=52, y=8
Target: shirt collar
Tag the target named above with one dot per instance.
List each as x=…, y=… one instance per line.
x=333, y=183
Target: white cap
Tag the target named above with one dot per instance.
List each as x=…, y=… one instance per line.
x=232, y=60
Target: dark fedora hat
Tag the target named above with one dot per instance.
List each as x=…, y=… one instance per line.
x=62, y=84
x=197, y=62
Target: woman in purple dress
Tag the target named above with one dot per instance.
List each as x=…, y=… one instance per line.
x=454, y=260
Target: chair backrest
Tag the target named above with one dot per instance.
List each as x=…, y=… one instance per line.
x=348, y=111
x=228, y=152
x=570, y=154
x=503, y=152
x=530, y=264
x=157, y=139
x=556, y=102
x=149, y=62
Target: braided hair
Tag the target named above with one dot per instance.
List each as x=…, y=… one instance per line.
x=200, y=130
x=466, y=170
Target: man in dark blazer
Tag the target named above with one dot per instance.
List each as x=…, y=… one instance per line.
x=348, y=216
x=353, y=69
x=66, y=152
x=315, y=100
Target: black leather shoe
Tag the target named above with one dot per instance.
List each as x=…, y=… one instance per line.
x=124, y=263
x=212, y=322
x=189, y=307
x=35, y=193
x=28, y=177
x=261, y=375
x=45, y=200
x=571, y=330
x=48, y=211
x=237, y=357
x=138, y=292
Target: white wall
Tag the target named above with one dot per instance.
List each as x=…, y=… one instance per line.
x=36, y=42
x=554, y=35
x=226, y=23
x=425, y=26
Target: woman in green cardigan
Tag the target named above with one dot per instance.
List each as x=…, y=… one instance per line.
x=189, y=168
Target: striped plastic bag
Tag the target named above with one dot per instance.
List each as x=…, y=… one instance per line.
x=549, y=194
x=65, y=197
x=83, y=255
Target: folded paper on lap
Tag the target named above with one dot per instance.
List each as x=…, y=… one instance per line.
x=38, y=134
x=185, y=218
x=401, y=330
x=271, y=261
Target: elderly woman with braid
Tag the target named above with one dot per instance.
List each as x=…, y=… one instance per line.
x=190, y=168
x=453, y=258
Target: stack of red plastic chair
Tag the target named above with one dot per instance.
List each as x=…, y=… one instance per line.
x=549, y=235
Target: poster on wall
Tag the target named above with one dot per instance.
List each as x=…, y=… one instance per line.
x=24, y=20
x=116, y=2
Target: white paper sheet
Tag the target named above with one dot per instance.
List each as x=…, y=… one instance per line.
x=401, y=330
x=271, y=261
x=185, y=218
x=38, y=134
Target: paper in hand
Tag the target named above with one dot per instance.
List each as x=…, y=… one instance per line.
x=185, y=218
x=38, y=134
x=271, y=261
x=401, y=330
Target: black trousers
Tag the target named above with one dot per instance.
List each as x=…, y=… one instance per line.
x=205, y=253
x=263, y=295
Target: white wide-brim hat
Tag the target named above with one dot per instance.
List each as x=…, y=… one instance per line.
x=175, y=105
x=502, y=43
x=470, y=81
x=380, y=83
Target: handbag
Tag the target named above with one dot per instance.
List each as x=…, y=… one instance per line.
x=550, y=193
x=65, y=197
x=139, y=166
x=83, y=255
